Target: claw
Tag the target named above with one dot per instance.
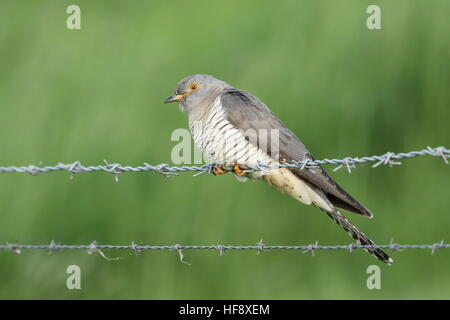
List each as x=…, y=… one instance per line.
x=218, y=170
x=238, y=171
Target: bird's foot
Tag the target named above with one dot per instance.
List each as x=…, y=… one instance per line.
x=218, y=170
x=237, y=170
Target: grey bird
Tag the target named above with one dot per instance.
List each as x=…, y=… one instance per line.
x=235, y=130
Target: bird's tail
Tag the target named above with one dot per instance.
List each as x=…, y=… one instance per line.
x=360, y=237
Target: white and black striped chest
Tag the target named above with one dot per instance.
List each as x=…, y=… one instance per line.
x=221, y=141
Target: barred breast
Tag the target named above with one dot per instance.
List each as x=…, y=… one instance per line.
x=223, y=143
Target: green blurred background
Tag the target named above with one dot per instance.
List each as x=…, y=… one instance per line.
x=96, y=93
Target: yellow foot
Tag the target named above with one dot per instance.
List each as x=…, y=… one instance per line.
x=218, y=170
x=238, y=171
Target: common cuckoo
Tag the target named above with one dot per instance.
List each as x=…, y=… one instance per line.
x=235, y=130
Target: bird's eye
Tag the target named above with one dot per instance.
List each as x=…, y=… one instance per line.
x=193, y=86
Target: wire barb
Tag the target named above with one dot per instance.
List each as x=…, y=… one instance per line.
x=221, y=249
x=350, y=247
x=178, y=248
x=394, y=246
x=13, y=248
x=93, y=248
x=349, y=163
x=311, y=248
x=437, y=246
x=386, y=159
x=440, y=152
x=52, y=247
x=261, y=247
x=135, y=247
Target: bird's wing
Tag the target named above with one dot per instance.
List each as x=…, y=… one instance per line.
x=249, y=114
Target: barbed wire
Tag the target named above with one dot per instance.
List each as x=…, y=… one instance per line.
x=259, y=247
x=389, y=158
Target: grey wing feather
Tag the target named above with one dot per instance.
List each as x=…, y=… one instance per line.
x=246, y=112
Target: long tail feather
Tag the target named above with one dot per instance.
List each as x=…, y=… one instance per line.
x=360, y=237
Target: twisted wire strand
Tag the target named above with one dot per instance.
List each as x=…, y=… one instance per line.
x=389, y=158
x=259, y=247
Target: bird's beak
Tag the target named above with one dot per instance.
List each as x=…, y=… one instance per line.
x=175, y=97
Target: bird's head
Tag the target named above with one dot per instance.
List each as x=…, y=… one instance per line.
x=196, y=90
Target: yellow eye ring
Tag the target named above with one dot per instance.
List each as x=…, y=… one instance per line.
x=193, y=86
